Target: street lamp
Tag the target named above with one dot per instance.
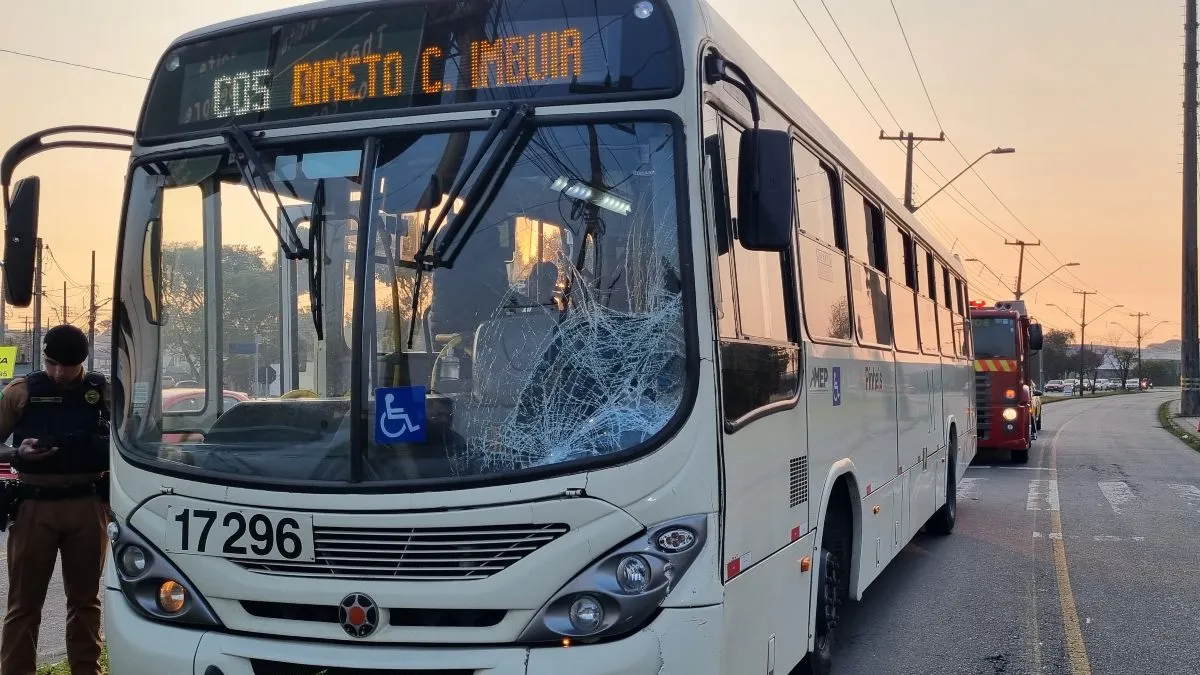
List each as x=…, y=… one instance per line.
x=1023, y=292
x=993, y=151
x=992, y=272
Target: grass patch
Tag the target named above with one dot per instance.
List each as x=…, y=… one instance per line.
x=1167, y=420
x=63, y=668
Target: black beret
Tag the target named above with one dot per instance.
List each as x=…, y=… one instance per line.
x=65, y=344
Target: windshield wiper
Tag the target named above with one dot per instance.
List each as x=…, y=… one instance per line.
x=316, y=258
x=510, y=121
x=250, y=164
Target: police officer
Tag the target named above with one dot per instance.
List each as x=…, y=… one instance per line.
x=59, y=422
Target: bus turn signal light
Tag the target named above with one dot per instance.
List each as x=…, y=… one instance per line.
x=806, y=563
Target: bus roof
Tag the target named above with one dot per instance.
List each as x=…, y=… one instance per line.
x=773, y=86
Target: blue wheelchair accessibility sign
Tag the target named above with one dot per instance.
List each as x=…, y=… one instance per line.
x=400, y=415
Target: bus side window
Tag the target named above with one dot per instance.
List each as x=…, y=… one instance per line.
x=822, y=254
x=927, y=300
x=759, y=358
x=902, y=277
x=868, y=268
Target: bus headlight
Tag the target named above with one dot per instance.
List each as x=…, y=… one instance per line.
x=152, y=585
x=1009, y=414
x=624, y=588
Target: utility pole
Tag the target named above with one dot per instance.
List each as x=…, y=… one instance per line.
x=92, y=318
x=1189, y=380
x=64, y=312
x=911, y=142
x=1021, y=261
x=1082, y=328
x=1138, y=316
x=35, y=349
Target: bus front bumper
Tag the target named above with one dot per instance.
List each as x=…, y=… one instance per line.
x=679, y=640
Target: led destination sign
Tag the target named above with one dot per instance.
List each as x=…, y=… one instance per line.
x=430, y=54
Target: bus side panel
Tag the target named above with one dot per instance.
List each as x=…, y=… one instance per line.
x=919, y=402
x=849, y=417
x=766, y=488
x=767, y=613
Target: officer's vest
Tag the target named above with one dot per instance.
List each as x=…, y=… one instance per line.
x=71, y=419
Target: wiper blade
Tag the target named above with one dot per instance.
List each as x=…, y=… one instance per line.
x=250, y=165
x=510, y=122
x=316, y=259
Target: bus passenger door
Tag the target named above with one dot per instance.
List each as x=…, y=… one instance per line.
x=764, y=460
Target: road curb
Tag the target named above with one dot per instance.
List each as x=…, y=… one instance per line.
x=1167, y=421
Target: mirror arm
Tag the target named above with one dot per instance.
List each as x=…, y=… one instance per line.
x=36, y=143
x=717, y=69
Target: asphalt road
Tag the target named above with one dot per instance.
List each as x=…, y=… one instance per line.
x=1082, y=561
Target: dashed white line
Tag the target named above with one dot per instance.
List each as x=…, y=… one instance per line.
x=1188, y=493
x=1042, y=496
x=967, y=488
x=1117, y=493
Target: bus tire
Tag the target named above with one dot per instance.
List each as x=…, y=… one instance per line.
x=820, y=660
x=942, y=521
x=1021, y=456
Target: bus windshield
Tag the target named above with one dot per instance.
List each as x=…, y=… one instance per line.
x=552, y=330
x=995, y=338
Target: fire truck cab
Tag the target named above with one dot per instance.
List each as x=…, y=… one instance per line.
x=1007, y=402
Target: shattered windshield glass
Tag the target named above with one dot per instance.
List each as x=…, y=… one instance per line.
x=555, y=331
x=550, y=330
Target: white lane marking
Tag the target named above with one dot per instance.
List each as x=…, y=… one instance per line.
x=1042, y=495
x=1098, y=537
x=1117, y=493
x=1188, y=493
x=967, y=488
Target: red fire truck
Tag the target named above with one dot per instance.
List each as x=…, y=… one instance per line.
x=1007, y=402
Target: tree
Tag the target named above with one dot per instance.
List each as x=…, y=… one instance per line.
x=1124, y=359
x=1161, y=373
x=1059, y=357
x=249, y=309
x=1092, y=359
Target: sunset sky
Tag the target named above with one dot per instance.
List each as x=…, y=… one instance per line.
x=1089, y=94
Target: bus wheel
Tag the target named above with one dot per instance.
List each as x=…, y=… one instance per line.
x=942, y=522
x=820, y=661
x=1021, y=456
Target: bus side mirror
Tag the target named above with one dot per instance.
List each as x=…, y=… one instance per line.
x=1035, y=337
x=766, y=195
x=20, y=241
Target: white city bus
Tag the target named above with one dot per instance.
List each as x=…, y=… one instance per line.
x=523, y=337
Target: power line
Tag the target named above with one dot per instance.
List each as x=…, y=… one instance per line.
x=73, y=64
x=918, y=68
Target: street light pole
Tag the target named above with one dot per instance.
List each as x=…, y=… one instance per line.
x=993, y=151
x=1023, y=292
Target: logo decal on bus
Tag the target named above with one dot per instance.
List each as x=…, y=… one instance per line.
x=358, y=614
x=819, y=381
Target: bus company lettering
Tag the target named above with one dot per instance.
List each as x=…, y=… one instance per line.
x=873, y=379
x=819, y=380
x=504, y=62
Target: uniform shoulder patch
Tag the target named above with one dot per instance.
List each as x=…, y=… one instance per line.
x=92, y=396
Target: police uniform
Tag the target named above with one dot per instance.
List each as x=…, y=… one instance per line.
x=62, y=506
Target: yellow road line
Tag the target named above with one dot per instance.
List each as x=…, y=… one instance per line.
x=1076, y=650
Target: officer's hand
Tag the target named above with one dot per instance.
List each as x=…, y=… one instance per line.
x=29, y=450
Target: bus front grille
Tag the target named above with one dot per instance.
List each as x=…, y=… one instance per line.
x=983, y=413
x=415, y=554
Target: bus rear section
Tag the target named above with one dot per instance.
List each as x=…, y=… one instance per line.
x=1006, y=410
